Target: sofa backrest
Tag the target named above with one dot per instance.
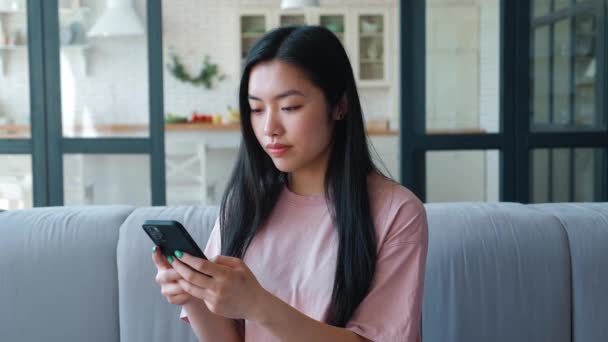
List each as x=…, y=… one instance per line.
x=495, y=272
x=58, y=279
x=144, y=313
x=586, y=226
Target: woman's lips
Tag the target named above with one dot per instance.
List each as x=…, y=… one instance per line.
x=277, y=150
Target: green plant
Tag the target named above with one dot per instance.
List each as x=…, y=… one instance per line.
x=209, y=72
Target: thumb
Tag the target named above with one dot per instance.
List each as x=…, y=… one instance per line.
x=160, y=260
x=228, y=261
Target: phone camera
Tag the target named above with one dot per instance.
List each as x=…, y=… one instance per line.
x=155, y=233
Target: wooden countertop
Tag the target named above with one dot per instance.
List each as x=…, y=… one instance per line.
x=23, y=131
x=16, y=131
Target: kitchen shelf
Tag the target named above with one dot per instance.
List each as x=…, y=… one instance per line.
x=81, y=49
x=4, y=53
x=62, y=11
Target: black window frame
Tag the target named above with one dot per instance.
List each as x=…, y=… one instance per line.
x=47, y=145
x=515, y=140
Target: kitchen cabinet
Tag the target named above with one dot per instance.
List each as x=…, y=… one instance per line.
x=13, y=31
x=366, y=34
x=372, y=46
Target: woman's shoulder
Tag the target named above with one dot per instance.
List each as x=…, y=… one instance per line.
x=388, y=192
x=399, y=215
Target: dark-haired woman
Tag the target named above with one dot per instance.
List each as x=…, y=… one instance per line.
x=312, y=243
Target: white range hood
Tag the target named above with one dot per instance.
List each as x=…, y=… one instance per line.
x=289, y=4
x=118, y=19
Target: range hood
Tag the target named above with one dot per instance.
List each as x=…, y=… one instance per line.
x=289, y=4
x=118, y=19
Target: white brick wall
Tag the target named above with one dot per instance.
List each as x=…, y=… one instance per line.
x=116, y=89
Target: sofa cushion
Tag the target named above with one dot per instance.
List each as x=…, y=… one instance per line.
x=58, y=273
x=495, y=272
x=145, y=315
x=587, y=227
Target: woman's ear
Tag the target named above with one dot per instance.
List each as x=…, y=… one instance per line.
x=341, y=108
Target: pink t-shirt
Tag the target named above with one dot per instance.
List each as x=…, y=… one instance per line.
x=294, y=257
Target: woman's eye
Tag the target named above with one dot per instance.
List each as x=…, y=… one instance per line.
x=291, y=108
x=255, y=111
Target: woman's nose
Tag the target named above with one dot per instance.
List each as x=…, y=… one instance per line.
x=272, y=124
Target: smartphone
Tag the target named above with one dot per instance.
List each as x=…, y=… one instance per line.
x=170, y=236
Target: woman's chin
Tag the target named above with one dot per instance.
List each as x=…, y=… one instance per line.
x=283, y=165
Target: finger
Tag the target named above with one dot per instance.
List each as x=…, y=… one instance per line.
x=167, y=276
x=194, y=290
x=179, y=299
x=201, y=265
x=192, y=276
x=172, y=289
x=160, y=260
x=227, y=261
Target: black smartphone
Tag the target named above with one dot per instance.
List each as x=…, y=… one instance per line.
x=170, y=235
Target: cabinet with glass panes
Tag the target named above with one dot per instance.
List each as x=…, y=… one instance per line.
x=13, y=28
x=363, y=34
x=372, y=48
x=252, y=27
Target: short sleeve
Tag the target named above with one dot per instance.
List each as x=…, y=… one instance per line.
x=213, y=249
x=391, y=311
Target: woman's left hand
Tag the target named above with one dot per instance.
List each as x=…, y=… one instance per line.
x=227, y=285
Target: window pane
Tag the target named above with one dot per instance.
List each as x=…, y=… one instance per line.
x=14, y=71
x=541, y=7
x=462, y=82
x=103, y=179
x=585, y=113
x=567, y=175
x=104, y=69
x=540, y=71
x=202, y=131
x=561, y=72
x=563, y=65
x=455, y=176
x=589, y=174
x=334, y=23
x=561, y=4
x=293, y=19
x=15, y=182
x=371, y=33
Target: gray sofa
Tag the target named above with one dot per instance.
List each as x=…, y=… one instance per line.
x=495, y=272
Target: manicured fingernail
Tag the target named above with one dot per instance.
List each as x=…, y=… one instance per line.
x=170, y=258
x=153, y=249
x=179, y=253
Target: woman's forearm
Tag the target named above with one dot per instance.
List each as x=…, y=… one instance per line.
x=289, y=324
x=208, y=326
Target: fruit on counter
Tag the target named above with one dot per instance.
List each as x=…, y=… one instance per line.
x=201, y=118
x=233, y=115
x=172, y=118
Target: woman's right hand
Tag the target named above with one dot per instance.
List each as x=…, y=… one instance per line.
x=167, y=278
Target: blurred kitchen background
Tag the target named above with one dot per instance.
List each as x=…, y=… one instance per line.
x=104, y=93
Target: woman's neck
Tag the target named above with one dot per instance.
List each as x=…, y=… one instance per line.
x=306, y=183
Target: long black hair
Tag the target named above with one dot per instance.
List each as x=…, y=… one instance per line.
x=256, y=183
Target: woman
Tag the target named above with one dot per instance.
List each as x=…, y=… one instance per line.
x=312, y=242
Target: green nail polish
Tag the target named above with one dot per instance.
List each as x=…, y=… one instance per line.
x=153, y=249
x=170, y=258
x=179, y=253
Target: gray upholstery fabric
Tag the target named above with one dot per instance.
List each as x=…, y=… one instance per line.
x=58, y=274
x=587, y=229
x=145, y=315
x=495, y=272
